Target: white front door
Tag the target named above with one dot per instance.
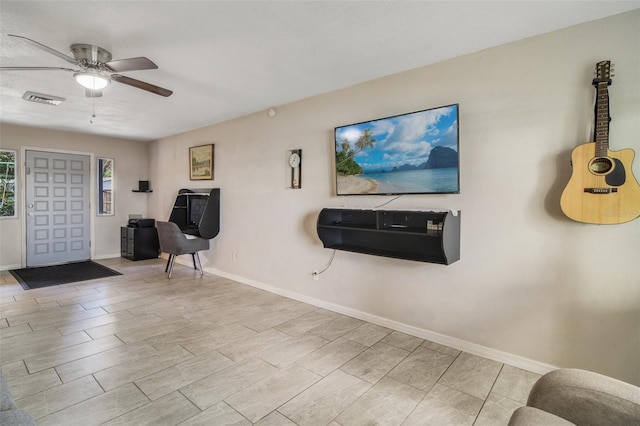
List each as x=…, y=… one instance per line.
x=57, y=207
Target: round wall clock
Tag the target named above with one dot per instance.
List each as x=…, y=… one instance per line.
x=295, y=164
x=294, y=160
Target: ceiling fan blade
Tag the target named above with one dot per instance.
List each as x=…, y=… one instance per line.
x=47, y=49
x=131, y=64
x=141, y=85
x=90, y=93
x=36, y=69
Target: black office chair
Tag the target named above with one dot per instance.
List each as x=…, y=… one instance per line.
x=175, y=243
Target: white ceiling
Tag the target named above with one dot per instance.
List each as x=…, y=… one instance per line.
x=225, y=59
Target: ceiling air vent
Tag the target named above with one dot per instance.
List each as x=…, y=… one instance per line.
x=41, y=98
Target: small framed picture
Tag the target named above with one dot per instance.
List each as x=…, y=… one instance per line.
x=201, y=162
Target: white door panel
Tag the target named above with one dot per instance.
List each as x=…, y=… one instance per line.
x=58, y=209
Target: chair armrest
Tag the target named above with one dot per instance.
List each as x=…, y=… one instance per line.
x=529, y=416
x=586, y=398
x=6, y=399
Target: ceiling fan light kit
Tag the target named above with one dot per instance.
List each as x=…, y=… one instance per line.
x=92, y=81
x=96, y=67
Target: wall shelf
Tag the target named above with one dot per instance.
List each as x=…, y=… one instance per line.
x=423, y=236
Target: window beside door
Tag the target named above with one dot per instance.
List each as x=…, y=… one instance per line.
x=105, y=187
x=7, y=183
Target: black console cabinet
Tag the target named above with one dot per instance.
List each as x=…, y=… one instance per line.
x=413, y=235
x=139, y=243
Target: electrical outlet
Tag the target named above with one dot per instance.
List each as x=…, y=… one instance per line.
x=234, y=256
x=316, y=275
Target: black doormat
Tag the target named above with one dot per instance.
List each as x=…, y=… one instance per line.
x=46, y=276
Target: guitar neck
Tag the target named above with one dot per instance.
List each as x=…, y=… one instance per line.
x=601, y=134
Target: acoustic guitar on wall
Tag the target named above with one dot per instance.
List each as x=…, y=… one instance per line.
x=602, y=188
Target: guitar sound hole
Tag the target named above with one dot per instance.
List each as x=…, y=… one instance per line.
x=601, y=165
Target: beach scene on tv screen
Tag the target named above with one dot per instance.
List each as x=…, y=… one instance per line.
x=414, y=153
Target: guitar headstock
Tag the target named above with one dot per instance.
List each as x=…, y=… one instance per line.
x=603, y=73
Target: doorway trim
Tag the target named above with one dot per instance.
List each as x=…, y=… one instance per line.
x=23, y=196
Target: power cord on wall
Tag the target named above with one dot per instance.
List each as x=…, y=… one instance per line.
x=384, y=204
x=315, y=273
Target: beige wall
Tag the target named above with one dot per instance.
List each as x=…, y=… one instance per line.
x=130, y=166
x=532, y=287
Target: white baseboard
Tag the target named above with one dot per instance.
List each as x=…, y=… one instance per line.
x=10, y=267
x=105, y=256
x=462, y=345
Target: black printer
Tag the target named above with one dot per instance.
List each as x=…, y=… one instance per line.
x=141, y=223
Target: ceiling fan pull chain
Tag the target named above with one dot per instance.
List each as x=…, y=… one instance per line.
x=93, y=102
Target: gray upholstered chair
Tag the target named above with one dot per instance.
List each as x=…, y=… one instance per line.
x=10, y=415
x=175, y=243
x=578, y=397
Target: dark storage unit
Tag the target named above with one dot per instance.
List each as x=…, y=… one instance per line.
x=139, y=243
x=413, y=235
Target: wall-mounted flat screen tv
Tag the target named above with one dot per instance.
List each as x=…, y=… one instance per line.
x=414, y=153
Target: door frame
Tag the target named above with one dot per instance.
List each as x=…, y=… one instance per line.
x=23, y=196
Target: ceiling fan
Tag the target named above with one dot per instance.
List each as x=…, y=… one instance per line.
x=96, y=69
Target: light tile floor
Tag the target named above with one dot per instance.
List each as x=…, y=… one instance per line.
x=141, y=349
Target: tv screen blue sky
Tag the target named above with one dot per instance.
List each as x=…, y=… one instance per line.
x=404, y=139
